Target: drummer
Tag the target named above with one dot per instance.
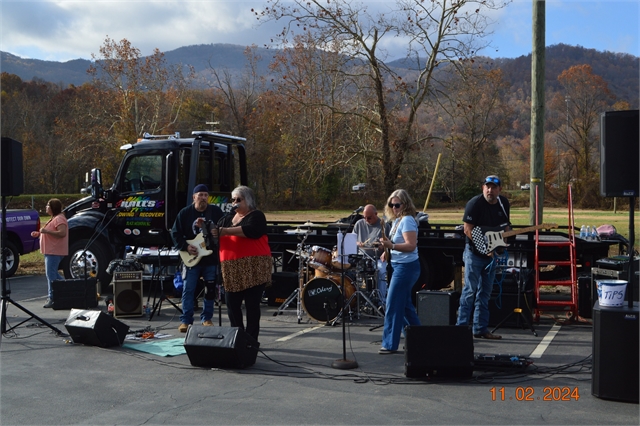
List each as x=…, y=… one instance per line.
x=369, y=232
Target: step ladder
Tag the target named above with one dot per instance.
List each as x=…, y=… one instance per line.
x=569, y=261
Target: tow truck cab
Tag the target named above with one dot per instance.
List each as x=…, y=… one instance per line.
x=154, y=182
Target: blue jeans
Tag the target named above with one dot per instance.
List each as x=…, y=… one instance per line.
x=400, y=309
x=382, y=280
x=51, y=266
x=479, y=273
x=208, y=273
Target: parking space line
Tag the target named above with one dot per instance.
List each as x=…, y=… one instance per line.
x=546, y=341
x=291, y=336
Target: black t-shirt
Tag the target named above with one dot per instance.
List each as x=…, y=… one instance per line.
x=185, y=228
x=479, y=212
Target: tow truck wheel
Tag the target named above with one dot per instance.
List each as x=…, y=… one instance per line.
x=12, y=260
x=94, y=261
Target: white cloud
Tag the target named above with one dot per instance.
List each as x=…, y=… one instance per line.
x=65, y=29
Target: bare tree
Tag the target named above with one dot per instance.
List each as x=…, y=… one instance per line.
x=473, y=103
x=432, y=32
x=240, y=94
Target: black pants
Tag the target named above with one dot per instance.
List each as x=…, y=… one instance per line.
x=252, y=298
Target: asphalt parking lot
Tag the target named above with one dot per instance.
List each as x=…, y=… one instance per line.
x=47, y=379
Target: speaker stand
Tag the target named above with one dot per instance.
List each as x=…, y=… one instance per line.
x=517, y=310
x=156, y=282
x=5, y=293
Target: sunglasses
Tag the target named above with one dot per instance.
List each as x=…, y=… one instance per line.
x=395, y=205
x=236, y=200
x=493, y=180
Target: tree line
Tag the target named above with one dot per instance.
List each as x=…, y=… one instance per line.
x=329, y=114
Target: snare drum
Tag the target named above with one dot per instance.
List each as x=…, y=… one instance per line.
x=321, y=297
x=320, y=259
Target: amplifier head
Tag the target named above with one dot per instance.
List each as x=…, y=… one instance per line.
x=127, y=276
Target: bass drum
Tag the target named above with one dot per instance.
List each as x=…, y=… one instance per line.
x=321, y=297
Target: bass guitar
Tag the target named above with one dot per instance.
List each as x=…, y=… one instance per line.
x=486, y=239
x=192, y=260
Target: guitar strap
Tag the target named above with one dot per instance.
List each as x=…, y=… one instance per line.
x=505, y=212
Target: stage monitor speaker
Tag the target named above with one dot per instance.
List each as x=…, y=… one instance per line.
x=11, y=162
x=437, y=307
x=95, y=328
x=220, y=347
x=619, y=152
x=127, y=298
x=438, y=351
x=615, y=372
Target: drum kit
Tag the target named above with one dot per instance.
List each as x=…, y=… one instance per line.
x=322, y=275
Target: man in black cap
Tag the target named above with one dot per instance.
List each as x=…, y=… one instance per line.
x=487, y=209
x=187, y=226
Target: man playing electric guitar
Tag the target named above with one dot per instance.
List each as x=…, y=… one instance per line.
x=201, y=261
x=488, y=209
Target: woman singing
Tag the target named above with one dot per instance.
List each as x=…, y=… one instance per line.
x=403, y=243
x=245, y=258
x=54, y=244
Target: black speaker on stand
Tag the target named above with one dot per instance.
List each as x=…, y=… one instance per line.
x=619, y=151
x=11, y=162
x=11, y=175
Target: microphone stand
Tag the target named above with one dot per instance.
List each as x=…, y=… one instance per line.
x=343, y=363
x=219, y=269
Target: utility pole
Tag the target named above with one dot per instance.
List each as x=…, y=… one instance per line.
x=536, y=172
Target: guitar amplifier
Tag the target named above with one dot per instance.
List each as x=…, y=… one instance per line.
x=437, y=307
x=127, y=294
x=283, y=284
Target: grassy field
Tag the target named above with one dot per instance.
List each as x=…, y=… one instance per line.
x=33, y=263
x=519, y=216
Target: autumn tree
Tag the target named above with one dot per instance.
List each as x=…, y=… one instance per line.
x=432, y=33
x=324, y=122
x=575, y=113
x=148, y=91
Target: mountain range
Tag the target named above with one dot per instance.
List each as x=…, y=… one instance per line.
x=620, y=71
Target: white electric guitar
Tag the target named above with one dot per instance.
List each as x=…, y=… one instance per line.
x=191, y=259
x=487, y=239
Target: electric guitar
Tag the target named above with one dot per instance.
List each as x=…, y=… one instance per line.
x=486, y=239
x=192, y=260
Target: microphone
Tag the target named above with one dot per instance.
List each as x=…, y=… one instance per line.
x=233, y=209
x=359, y=209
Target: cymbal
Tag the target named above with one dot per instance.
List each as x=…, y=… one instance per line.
x=303, y=254
x=307, y=223
x=297, y=231
x=339, y=224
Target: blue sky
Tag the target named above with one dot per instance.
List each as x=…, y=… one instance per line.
x=63, y=30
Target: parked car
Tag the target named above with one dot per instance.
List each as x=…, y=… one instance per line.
x=20, y=224
x=525, y=187
x=359, y=187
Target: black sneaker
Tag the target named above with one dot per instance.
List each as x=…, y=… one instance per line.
x=48, y=304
